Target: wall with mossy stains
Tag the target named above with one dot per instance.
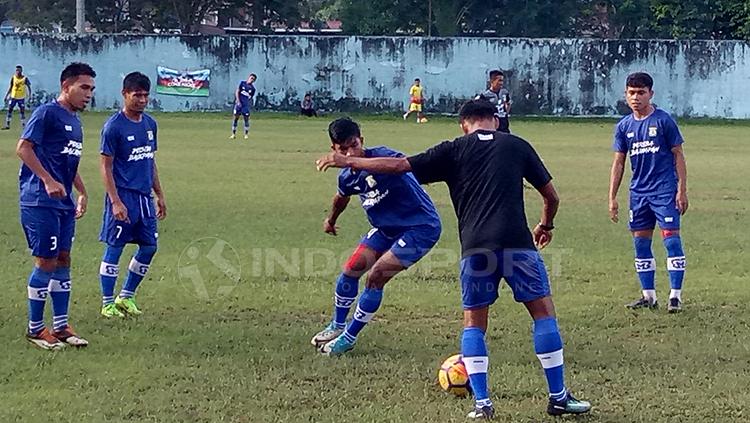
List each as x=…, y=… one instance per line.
x=545, y=76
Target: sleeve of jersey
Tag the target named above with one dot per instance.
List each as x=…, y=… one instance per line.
x=619, y=143
x=156, y=135
x=435, y=164
x=342, y=189
x=672, y=133
x=535, y=172
x=34, y=129
x=109, y=141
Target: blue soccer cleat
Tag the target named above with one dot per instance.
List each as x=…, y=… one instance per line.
x=326, y=335
x=570, y=405
x=337, y=347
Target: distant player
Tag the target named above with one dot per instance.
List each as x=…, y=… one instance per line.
x=50, y=149
x=500, y=98
x=416, y=100
x=405, y=226
x=658, y=188
x=307, y=106
x=18, y=94
x=484, y=171
x=243, y=102
x=128, y=168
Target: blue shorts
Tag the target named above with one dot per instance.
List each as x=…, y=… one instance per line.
x=522, y=269
x=48, y=230
x=241, y=110
x=20, y=102
x=409, y=245
x=646, y=210
x=141, y=225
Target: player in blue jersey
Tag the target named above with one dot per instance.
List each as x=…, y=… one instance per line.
x=50, y=149
x=405, y=226
x=128, y=168
x=658, y=188
x=243, y=102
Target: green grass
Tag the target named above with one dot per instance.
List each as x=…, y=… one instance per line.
x=217, y=351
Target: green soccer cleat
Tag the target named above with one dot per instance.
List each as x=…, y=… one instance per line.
x=127, y=306
x=110, y=310
x=570, y=405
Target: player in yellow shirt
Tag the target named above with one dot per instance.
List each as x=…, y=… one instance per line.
x=18, y=92
x=416, y=99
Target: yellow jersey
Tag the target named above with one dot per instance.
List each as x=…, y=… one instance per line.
x=18, y=87
x=415, y=92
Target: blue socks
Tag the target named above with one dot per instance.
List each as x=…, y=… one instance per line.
x=645, y=266
x=108, y=272
x=549, y=349
x=368, y=304
x=59, y=291
x=474, y=351
x=137, y=269
x=347, y=288
x=37, y=293
x=675, y=264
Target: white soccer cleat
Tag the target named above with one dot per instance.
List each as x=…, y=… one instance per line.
x=326, y=335
x=231, y=137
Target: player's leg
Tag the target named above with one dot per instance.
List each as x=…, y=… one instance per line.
x=42, y=230
x=504, y=125
x=235, y=119
x=642, y=223
x=418, y=108
x=59, y=290
x=480, y=276
x=526, y=275
x=145, y=235
x=22, y=112
x=668, y=217
x=114, y=234
x=246, y=119
x=371, y=247
x=9, y=115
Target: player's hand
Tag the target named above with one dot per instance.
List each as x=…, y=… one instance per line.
x=55, y=189
x=161, y=207
x=81, y=206
x=682, y=202
x=332, y=160
x=542, y=238
x=614, y=210
x=120, y=212
x=330, y=227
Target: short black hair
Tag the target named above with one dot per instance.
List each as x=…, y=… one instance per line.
x=135, y=81
x=495, y=73
x=477, y=109
x=640, y=80
x=342, y=130
x=76, y=69
x=416, y=79
x=256, y=76
x=19, y=67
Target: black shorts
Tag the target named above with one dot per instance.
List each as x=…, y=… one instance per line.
x=504, y=125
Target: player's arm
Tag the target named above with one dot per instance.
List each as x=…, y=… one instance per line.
x=615, y=179
x=338, y=206
x=119, y=210
x=374, y=164
x=543, y=230
x=83, y=198
x=681, y=168
x=28, y=89
x=237, y=96
x=25, y=152
x=161, y=203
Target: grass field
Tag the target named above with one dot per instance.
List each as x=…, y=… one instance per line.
x=215, y=348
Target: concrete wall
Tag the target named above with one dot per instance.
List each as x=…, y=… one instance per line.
x=546, y=76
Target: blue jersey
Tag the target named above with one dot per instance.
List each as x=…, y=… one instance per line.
x=57, y=136
x=390, y=201
x=247, y=91
x=132, y=146
x=649, y=144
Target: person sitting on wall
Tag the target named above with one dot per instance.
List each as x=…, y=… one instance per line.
x=307, y=106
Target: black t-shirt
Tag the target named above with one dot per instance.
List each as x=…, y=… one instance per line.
x=485, y=172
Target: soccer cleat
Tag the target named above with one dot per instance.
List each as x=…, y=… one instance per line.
x=5, y=128
x=68, y=336
x=327, y=335
x=482, y=413
x=246, y=136
x=643, y=302
x=337, y=347
x=110, y=310
x=44, y=340
x=405, y=116
x=127, y=306
x=675, y=305
x=231, y=137
x=569, y=405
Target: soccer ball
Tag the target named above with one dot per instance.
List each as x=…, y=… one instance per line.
x=453, y=377
x=423, y=120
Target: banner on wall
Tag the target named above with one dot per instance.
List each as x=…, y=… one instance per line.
x=193, y=83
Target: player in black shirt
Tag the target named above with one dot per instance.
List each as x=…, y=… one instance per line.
x=484, y=171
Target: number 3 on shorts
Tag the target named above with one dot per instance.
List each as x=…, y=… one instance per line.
x=53, y=239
